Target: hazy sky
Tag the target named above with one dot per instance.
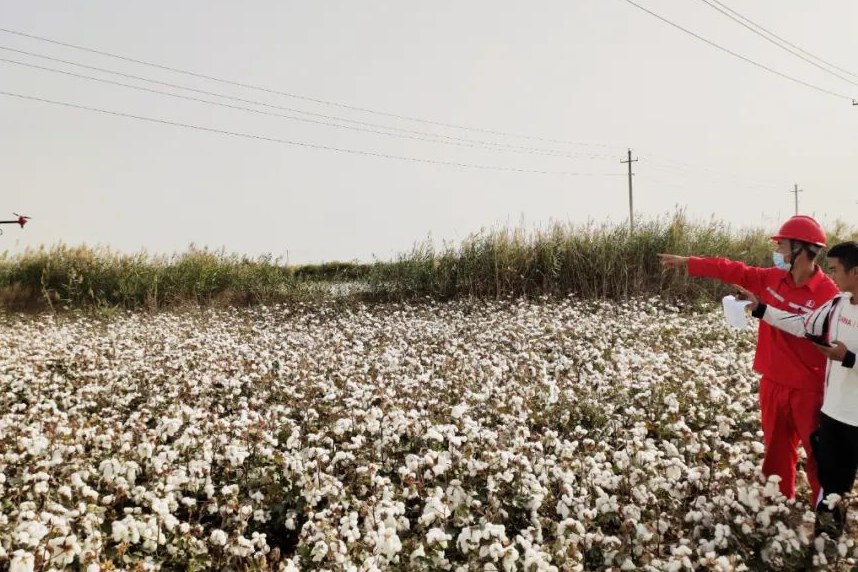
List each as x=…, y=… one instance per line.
x=714, y=134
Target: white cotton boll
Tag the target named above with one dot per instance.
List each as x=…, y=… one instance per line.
x=553, y=393
x=438, y=535
x=242, y=547
x=31, y=533
x=131, y=472
x=628, y=565
x=236, y=455
x=119, y=531
x=831, y=500
x=673, y=473
x=22, y=562
x=562, y=509
x=510, y=558
x=746, y=467
x=289, y=523
x=672, y=403
x=93, y=567
x=219, y=537
x=417, y=553
x=632, y=513
x=319, y=551
x=432, y=434
x=459, y=410
x=435, y=509
x=170, y=522
x=464, y=540
x=442, y=464
x=772, y=490
x=64, y=550
x=145, y=450
x=294, y=440
x=388, y=542
x=106, y=469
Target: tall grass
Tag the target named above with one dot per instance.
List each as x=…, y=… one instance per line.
x=603, y=261
x=600, y=261
x=63, y=277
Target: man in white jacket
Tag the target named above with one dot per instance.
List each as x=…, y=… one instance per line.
x=834, y=329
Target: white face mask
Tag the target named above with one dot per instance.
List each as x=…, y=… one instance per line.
x=779, y=261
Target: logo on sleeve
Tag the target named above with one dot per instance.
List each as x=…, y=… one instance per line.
x=811, y=303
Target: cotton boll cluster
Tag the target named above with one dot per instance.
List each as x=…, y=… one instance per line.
x=510, y=435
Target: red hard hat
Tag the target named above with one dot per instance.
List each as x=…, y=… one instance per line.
x=803, y=228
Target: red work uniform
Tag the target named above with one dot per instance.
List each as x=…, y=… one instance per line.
x=792, y=369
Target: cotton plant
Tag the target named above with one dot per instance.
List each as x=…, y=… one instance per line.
x=506, y=435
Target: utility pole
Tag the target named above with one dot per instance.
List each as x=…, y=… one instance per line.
x=631, y=202
x=796, y=191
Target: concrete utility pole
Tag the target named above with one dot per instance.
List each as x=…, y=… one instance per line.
x=631, y=202
x=796, y=191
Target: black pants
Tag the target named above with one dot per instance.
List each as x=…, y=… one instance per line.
x=835, y=447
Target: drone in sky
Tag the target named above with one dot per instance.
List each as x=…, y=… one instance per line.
x=21, y=220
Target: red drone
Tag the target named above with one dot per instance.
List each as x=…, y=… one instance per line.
x=21, y=220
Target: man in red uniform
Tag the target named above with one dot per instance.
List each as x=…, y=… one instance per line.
x=792, y=369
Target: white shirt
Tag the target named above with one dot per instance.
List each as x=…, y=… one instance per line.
x=840, y=316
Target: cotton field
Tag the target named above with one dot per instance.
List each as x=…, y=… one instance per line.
x=516, y=435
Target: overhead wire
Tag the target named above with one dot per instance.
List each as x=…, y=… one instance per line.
x=739, y=56
x=784, y=40
x=776, y=43
x=301, y=143
x=297, y=96
x=371, y=127
x=302, y=119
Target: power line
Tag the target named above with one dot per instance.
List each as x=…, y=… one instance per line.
x=300, y=97
x=787, y=42
x=770, y=40
x=304, y=144
x=741, y=57
x=373, y=126
x=656, y=162
x=272, y=114
x=666, y=164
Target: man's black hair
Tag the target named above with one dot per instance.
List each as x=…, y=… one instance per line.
x=846, y=253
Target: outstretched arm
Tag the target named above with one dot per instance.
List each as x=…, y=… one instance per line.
x=749, y=277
